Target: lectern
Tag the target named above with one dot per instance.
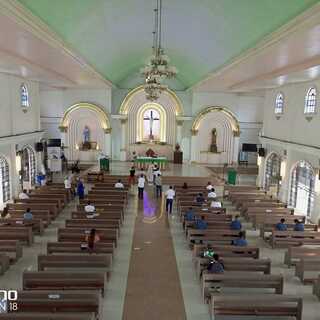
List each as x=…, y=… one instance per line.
x=178, y=157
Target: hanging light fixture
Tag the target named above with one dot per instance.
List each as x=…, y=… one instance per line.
x=157, y=68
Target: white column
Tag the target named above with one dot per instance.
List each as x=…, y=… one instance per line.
x=179, y=131
x=107, y=143
x=236, y=142
x=123, y=150
x=194, y=149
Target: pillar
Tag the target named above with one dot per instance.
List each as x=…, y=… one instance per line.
x=194, y=149
x=123, y=150
x=107, y=143
x=179, y=131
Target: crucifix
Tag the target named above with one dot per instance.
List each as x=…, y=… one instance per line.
x=151, y=118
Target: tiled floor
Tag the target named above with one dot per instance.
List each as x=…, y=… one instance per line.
x=116, y=288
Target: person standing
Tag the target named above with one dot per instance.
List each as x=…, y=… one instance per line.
x=80, y=189
x=141, y=182
x=170, y=194
x=132, y=174
x=158, y=184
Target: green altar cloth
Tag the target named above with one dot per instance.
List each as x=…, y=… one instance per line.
x=145, y=161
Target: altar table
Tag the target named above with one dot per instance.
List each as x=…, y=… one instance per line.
x=144, y=162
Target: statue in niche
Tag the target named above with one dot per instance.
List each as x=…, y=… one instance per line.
x=213, y=145
x=86, y=134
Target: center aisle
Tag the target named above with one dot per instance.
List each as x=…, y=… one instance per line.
x=153, y=287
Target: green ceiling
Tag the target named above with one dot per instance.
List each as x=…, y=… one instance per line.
x=200, y=36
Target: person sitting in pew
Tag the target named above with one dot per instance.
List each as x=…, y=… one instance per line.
x=185, y=186
x=215, y=265
x=209, y=186
x=189, y=215
x=236, y=224
x=5, y=213
x=89, y=208
x=23, y=195
x=201, y=224
x=200, y=198
x=28, y=215
x=241, y=241
x=281, y=226
x=208, y=252
x=299, y=226
x=80, y=189
x=212, y=193
x=119, y=185
x=92, y=238
x=215, y=203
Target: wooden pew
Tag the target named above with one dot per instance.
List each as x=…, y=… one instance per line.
x=75, y=248
x=21, y=233
x=216, y=236
x=93, y=223
x=51, y=195
x=12, y=248
x=294, y=238
x=43, y=215
x=229, y=189
x=36, y=224
x=316, y=287
x=307, y=265
x=75, y=261
x=269, y=227
x=212, y=225
x=79, y=235
x=53, y=210
x=57, y=302
x=241, y=280
x=54, y=202
x=237, y=264
x=49, y=280
x=262, y=218
x=261, y=305
x=264, y=207
x=228, y=251
x=4, y=263
x=99, y=215
x=293, y=254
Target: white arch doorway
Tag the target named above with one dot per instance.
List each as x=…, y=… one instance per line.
x=272, y=171
x=28, y=166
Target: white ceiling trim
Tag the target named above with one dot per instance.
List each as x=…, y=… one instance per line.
x=307, y=19
x=23, y=17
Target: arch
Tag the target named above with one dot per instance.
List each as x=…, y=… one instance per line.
x=24, y=96
x=5, y=183
x=279, y=103
x=200, y=116
x=310, y=104
x=30, y=162
x=302, y=184
x=102, y=115
x=272, y=170
x=125, y=105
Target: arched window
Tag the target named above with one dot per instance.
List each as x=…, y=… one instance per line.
x=28, y=165
x=24, y=96
x=273, y=166
x=310, y=101
x=4, y=180
x=151, y=125
x=302, y=188
x=279, y=103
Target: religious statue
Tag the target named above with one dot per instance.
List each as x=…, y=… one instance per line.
x=86, y=134
x=151, y=118
x=213, y=145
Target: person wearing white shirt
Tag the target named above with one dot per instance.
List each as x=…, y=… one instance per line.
x=141, y=182
x=119, y=185
x=212, y=193
x=89, y=208
x=170, y=194
x=67, y=183
x=215, y=204
x=23, y=195
x=209, y=186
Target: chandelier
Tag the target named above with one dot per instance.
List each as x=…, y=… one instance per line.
x=158, y=66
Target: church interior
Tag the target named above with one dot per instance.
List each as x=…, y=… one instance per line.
x=159, y=159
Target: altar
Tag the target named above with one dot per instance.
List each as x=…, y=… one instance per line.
x=144, y=162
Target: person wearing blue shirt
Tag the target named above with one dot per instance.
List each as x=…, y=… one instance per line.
x=299, y=226
x=236, y=224
x=80, y=189
x=189, y=215
x=28, y=215
x=215, y=265
x=201, y=224
x=200, y=198
x=281, y=226
x=241, y=241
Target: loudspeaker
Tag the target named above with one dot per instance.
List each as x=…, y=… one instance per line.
x=261, y=152
x=39, y=147
x=54, y=143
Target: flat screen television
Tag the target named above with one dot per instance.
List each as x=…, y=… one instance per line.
x=249, y=147
x=54, y=143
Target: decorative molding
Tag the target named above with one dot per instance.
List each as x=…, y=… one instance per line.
x=18, y=138
x=179, y=122
x=236, y=133
x=126, y=101
x=194, y=132
x=28, y=21
x=200, y=116
x=107, y=130
x=123, y=121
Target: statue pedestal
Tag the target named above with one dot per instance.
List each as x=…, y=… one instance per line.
x=178, y=157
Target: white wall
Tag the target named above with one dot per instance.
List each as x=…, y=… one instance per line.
x=17, y=128
x=292, y=134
